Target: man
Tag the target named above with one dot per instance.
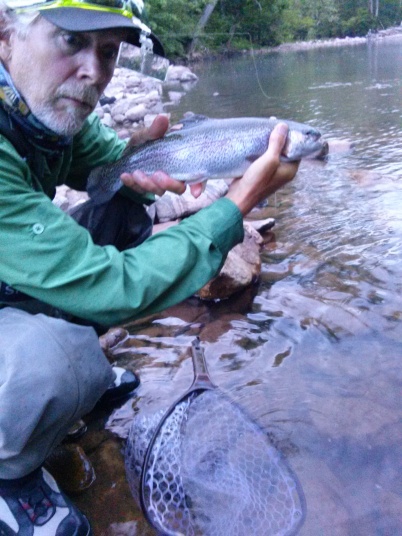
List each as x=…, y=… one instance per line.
x=62, y=275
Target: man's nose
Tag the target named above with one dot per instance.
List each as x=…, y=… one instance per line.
x=92, y=68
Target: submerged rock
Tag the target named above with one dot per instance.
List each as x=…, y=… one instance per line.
x=180, y=73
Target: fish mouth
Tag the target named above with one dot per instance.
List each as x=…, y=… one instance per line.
x=313, y=140
x=302, y=143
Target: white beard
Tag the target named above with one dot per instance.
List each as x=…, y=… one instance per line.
x=70, y=120
x=66, y=124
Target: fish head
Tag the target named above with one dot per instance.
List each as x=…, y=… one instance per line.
x=301, y=142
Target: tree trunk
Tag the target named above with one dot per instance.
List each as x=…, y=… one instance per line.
x=374, y=8
x=202, y=23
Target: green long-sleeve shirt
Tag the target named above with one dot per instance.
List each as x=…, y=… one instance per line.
x=47, y=255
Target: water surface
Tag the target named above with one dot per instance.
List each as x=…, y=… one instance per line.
x=314, y=352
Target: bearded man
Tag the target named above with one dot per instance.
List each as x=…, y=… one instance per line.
x=65, y=278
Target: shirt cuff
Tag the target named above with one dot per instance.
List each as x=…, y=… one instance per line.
x=222, y=221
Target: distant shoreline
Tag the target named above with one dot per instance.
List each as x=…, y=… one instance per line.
x=394, y=32
x=389, y=33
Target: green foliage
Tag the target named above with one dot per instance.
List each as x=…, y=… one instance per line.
x=296, y=27
x=174, y=22
x=357, y=19
x=239, y=24
x=359, y=25
x=390, y=13
x=311, y=19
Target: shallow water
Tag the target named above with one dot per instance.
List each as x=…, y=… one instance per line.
x=313, y=352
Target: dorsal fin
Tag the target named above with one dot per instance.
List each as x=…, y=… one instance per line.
x=189, y=120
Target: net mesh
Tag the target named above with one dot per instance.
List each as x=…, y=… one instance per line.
x=212, y=472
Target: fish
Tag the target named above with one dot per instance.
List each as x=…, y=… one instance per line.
x=201, y=148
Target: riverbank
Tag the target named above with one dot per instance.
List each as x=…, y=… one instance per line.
x=394, y=32
x=389, y=33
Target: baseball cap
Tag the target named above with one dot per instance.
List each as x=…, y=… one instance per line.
x=91, y=15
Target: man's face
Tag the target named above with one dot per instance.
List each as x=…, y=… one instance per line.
x=62, y=74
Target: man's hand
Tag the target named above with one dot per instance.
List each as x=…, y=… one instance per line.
x=159, y=182
x=265, y=175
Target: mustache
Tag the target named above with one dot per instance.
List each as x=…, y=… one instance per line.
x=87, y=94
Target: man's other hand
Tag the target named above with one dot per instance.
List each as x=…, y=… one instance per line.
x=266, y=175
x=159, y=182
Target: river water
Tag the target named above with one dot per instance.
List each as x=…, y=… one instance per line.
x=314, y=351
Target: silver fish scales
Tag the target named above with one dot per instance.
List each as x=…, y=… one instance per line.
x=200, y=148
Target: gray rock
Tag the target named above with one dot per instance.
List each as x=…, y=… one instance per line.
x=171, y=206
x=136, y=113
x=137, y=96
x=175, y=96
x=107, y=120
x=180, y=73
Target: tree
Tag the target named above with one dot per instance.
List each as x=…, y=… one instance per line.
x=229, y=25
x=208, y=10
x=312, y=19
x=374, y=7
x=245, y=20
x=174, y=21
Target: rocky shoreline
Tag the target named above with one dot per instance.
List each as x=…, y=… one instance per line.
x=132, y=100
x=389, y=33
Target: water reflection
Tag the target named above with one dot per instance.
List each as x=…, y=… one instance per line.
x=312, y=352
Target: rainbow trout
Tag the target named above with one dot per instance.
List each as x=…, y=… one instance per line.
x=200, y=148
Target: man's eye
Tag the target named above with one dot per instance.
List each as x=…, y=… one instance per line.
x=110, y=53
x=71, y=42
